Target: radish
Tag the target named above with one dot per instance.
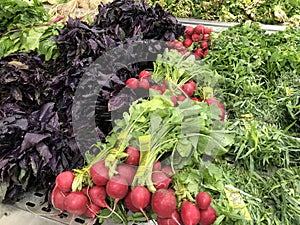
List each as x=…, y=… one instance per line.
x=189, y=213
x=133, y=157
x=76, y=203
x=206, y=37
x=203, y=200
x=158, y=88
x=189, y=30
x=64, y=181
x=128, y=203
x=189, y=88
x=97, y=195
x=168, y=171
x=127, y=172
x=211, y=101
x=173, y=220
x=144, y=83
x=170, y=44
x=160, y=180
x=198, y=53
x=140, y=198
x=196, y=37
x=58, y=199
x=174, y=100
x=207, y=30
x=163, y=203
x=181, y=98
x=117, y=187
x=204, y=45
x=92, y=210
x=99, y=173
x=207, y=216
x=157, y=166
x=178, y=45
x=199, y=29
x=132, y=83
x=144, y=74
x=187, y=43
x=85, y=190
x=205, y=52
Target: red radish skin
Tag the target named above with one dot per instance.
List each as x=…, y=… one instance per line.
x=85, y=190
x=144, y=83
x=170, y=44
x=128, y=203
x=189, y=30
x=198, y=53
x=132, y=83
x=97, y=195
x=58, y=199
x=207, y=30
x=206, y=37
x=144, y=74
x=133, y=157
x=196, y=99
x=187, y=43
x=140, y=198
x=178, y=45
x=168, y=171
x=157, y=166
x=64, y=181
x=181, y=98
x=173, y=220
x=117, y=187
x=203, y=200
x=199, y=29
x=160, y=180
x=158, y=88
x=92, y=210
x=99, y=173
x=205, y=52
x=76, y=203
x=174, y=100
x=127, y=172
x=190, y=214
x=207, y=216
x=196, y=37
x=204, y=45
x=189, y=89
x=211, y=101
x=163, y=203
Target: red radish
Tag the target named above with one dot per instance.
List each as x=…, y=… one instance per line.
x=189, y=88
x=190, y=214
x=163, y=203
x=174, y=100
x=196, y=99
x=181, y=98
x=211, y=101
x=128, y=203
x=157, y=166
x=183, y=51
x=58, y=199
x=76, y=203
x=64, y=181
x=144, y=74
x=206, y=37
x=207, y=30
x=178, y=45
x=204, y=45
x=198, y=53
x=132, y=83
x=187, y=43
x=158, y=88
x=127, y=172
x=207, y=216
x=99, y=173
x=199, y=29
x=133, y=157
x=186, y=36
x=173, y=220
x=203, y=200
x=144, y=83
x=170, y=44
x=196, y=37
x=97, y=195
x=92, y=210
x=189, y=30
x=160, y=180
x=117, y=187
x=140, y=198
x=205, y=52
x=168, y=171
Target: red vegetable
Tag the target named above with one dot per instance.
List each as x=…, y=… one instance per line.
x=168, y=171
x=204, y=45
x=174, y=100
x=189, y=213
x=144, y=83
x=211, y=101
x=178, y=45
x=99, y=173
x=158, y=88
x=206, y=37
x=128, y=203
x=199, y=29
x=189, y=30
x=181, y=98
x=64, y=181
x=58, y=199
x=92, y=210
x=117, y=187
x=157, y=166
x=97, y=195
x=203, y=200
x=189, y=88
x=198, y=53
x=132, y=83
x=163, y=203
x=207, y=216
x=127, y=172
x=173, y=220
x=187, y=43
x=76, y=203
x=196, y=37
x=144, y=74
x=133, y=157
x=160, y=180
x=140, y=197
x=207, y=30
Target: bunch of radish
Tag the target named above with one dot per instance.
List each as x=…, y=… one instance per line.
x=195, y=39
x=188, y=90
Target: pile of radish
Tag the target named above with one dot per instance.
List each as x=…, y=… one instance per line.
x=89, y=201
x=195, y=39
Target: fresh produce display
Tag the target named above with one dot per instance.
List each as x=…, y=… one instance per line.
x=205, y=133
x=267, y=12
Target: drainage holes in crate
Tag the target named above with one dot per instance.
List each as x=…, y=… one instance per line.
x=46, y=209
x=79, y=220
x=63, y=215
x=38, y=194
x=30, y=204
